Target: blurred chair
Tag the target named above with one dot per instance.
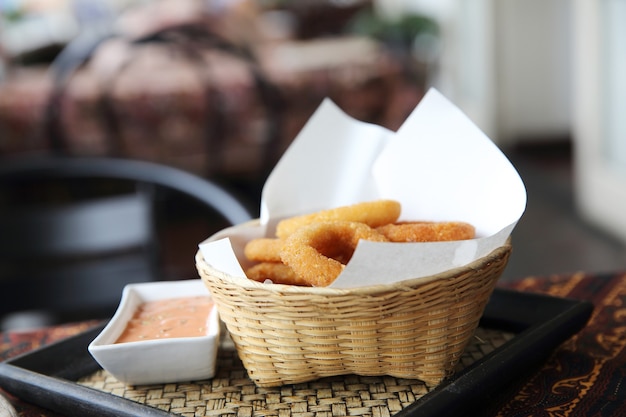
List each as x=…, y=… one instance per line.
x=75, y=230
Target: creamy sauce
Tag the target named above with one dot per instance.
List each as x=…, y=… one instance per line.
x=173, y=317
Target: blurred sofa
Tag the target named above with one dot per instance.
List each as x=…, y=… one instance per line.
x=188, y=101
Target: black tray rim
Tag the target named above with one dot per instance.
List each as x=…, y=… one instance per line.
x=46, y=376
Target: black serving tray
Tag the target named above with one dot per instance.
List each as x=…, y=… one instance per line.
x=46, y=376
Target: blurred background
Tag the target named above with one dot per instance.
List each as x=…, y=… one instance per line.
x=220, y=88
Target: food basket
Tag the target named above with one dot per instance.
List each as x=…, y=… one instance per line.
x=415, y=329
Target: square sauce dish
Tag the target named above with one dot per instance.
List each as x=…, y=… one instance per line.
x=161, y=332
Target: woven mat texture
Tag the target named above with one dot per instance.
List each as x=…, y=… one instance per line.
x=232, y=393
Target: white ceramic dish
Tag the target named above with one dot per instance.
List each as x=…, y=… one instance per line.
x=160, y=360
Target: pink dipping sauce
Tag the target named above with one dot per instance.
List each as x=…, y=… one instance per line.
x=169, y=318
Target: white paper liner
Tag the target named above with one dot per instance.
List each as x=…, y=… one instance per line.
x=439, y=165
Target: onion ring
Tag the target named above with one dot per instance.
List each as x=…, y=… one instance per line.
x=427, y=231
x=372, y=213
x=317, y=253
x=263, y=249
x=277, y=272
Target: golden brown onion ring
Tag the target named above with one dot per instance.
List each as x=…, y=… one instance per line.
x=317, y=253
x=372, y=213
x=277, y=272
x=263, y=250
x=427, y=231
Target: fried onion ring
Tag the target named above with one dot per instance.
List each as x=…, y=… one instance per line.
x=372, y=213
x=427, y=231
x=263, y=249
x=318, y=252
x=277, y=272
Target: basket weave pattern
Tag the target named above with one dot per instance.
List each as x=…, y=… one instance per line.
x=414, y=329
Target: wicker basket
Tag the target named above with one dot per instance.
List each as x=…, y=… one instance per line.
x=414, y=329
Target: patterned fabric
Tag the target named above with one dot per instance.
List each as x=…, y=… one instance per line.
x=16, y=343
x=584, y=377
x=205, y=115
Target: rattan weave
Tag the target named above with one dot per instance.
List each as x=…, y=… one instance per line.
x=231, y=393
x=415, y=329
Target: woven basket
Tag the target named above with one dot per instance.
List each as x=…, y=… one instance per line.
x=414, y=329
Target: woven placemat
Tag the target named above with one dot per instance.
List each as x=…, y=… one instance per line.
x=232, y=393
